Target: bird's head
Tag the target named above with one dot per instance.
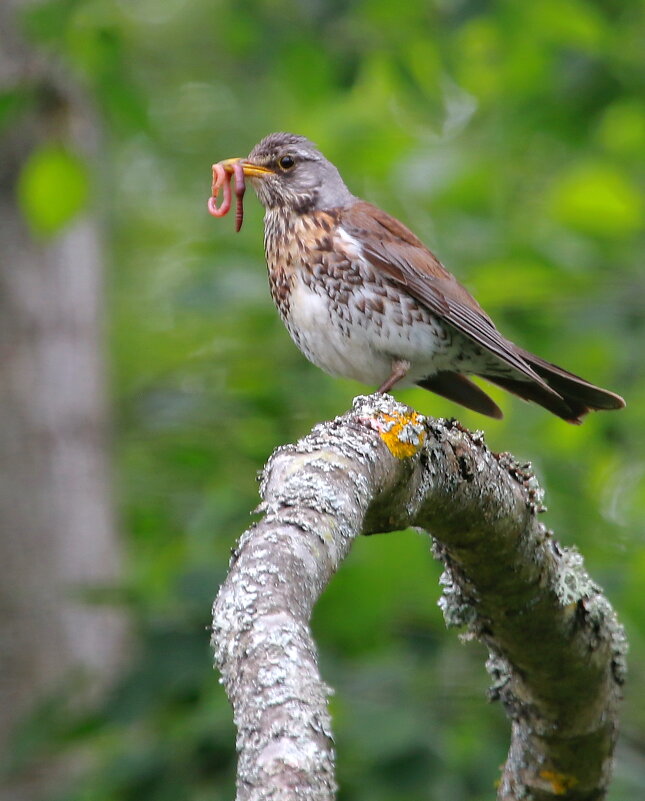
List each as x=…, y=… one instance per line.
x=288, y=171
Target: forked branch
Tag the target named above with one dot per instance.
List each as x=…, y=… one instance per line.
x=556, y=648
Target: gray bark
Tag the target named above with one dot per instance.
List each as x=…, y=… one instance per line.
x=58, y=537
x=557, y=652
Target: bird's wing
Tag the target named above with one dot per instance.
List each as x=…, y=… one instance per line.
x=391, y=247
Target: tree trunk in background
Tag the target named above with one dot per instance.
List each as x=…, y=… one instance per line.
x=57, y=533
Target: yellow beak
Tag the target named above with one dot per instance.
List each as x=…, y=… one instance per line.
x=248, y=168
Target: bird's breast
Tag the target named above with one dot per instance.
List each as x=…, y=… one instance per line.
x=346, y=316
x=290, y=242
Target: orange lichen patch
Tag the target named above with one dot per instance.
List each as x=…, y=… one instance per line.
x=560, y=783
x=403, y=434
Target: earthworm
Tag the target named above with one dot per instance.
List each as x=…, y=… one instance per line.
x=240, y=188
x=222, y=180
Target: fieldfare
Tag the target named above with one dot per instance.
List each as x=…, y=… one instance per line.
x=363, y=298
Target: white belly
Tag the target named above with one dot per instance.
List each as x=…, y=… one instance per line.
x=341, y=339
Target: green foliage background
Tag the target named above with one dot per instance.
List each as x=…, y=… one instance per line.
x=509, y=135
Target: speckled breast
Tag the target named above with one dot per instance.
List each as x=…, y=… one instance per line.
x=345, y=316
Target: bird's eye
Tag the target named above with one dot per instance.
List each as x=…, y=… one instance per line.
x=286, y=162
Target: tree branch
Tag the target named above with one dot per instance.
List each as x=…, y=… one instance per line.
x=556, y=648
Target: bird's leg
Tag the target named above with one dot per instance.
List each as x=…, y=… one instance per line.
x=400, y=369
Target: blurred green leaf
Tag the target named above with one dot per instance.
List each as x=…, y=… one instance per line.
x=12, y=102
x=570, y=22
x=53, y=188
x=597, y=199
x=622, y=128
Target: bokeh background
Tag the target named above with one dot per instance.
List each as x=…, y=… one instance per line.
x=510, y=137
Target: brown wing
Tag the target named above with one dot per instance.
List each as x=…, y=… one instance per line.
x=395, y=250
x=461, y=390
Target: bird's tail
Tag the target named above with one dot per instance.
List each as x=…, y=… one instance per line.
x=571, y=397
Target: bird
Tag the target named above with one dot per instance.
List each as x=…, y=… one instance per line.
x=363, y=298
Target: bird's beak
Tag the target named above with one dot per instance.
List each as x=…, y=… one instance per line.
x=248, y=168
